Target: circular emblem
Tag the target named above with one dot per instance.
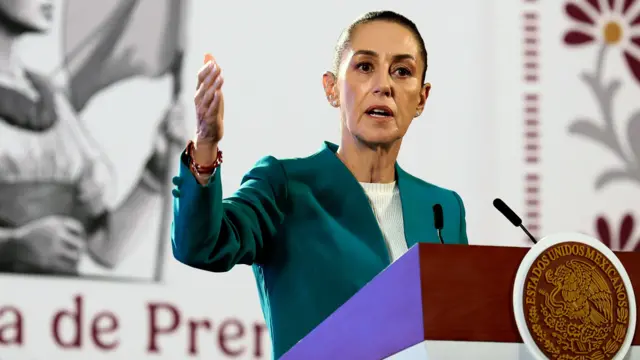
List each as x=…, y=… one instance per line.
x=573, y=300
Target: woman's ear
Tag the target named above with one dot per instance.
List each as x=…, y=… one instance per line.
x=329, y=83
x=424, y=95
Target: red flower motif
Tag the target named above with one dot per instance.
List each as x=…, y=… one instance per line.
x=615, y=24
x=624, y=235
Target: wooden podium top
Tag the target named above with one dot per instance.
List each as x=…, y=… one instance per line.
x=434, y=292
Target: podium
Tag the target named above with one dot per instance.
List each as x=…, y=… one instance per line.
x=436, y=302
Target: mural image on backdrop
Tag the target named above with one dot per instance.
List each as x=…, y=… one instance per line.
x=55, y=181
x=613, y=27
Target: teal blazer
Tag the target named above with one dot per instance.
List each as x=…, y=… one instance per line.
x=307, y=228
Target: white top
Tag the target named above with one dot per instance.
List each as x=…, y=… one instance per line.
x=64, y=154
x=387, y=207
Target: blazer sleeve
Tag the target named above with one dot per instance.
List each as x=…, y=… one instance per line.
x=215, y=234
x=463, y=221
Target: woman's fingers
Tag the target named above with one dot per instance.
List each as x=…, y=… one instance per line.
x=214, y=104
x=204, y=93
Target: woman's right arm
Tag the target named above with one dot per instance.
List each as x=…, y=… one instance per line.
x=208, y=232
x=214, y=234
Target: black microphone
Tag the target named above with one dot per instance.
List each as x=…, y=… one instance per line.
x=438, y=220
x=511, y=216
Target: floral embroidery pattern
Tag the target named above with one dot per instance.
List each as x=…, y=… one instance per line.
x=614, y=26
x=624, y=235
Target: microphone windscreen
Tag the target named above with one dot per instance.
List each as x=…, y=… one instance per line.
x=507, y=212
x=438, y=217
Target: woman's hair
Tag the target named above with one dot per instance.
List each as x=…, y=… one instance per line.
x=389, y=16
x=12, y=26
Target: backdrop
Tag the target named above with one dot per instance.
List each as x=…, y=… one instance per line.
x=533, y=102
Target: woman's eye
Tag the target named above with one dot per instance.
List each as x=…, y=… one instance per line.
x=403, y=72
x=366, y=67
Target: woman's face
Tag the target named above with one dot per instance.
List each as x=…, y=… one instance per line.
x=379, y=83
x=34, y=15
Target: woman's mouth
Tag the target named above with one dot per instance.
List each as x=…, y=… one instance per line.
x=380, y=112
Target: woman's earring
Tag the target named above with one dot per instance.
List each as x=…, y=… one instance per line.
x=334, y=103
x=417, y=113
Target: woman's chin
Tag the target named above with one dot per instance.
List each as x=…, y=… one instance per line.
x=379, y=136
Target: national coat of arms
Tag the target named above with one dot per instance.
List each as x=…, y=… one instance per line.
x=576, y=304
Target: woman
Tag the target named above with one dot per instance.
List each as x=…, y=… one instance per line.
x=317, y=229
x=52, y=177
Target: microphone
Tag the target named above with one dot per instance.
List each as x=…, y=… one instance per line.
x=511, y=216
x=438, y=220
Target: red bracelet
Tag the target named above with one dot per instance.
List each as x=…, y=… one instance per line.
x=202, y=169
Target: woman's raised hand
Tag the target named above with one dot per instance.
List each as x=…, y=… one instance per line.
x=209, y=103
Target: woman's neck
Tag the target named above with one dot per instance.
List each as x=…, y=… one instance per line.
x=9, y=64
x=367, y=164
x=12, y=72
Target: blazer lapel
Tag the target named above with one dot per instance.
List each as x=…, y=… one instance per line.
x=335, y=179
x=417, y=199
x=417, y=209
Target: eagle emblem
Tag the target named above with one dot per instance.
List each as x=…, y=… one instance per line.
x=579, y=293
x=571, y=304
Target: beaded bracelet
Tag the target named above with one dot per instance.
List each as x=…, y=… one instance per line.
x=202, y=169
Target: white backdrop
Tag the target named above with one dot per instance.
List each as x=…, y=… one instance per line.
x=470, y=139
